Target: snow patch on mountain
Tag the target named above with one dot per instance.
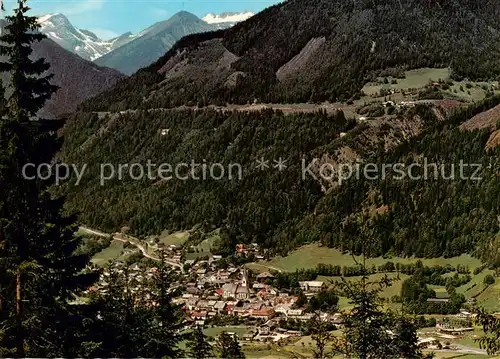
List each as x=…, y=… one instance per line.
x=44, y=18
x=227, y=19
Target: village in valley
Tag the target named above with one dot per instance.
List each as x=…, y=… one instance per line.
x=225, y=297
x=241, y=293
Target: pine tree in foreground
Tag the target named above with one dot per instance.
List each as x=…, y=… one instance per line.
x=136, y=322
x=321, y=336
x=228, y=347
x=166, y=314
x=370, y=331
x=491, y=327
x=198, y=346
x=39, y=273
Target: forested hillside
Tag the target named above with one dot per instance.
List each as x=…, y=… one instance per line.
x=336, y=48
x=257, y=203
x=430, y=217
x=283, y=209
x=329, y=49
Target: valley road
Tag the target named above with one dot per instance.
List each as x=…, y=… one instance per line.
x=128, y=239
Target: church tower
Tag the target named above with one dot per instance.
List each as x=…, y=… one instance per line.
x=244, y=279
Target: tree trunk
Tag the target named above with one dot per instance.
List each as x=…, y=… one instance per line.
x=19, y=320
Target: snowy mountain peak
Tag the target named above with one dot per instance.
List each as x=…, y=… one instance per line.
x=84, y=43
x=54, y=21
x=227, y=19
x=44, y=18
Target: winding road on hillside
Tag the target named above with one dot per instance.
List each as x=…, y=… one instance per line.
x=285, y=108
x=94, y=232
x=128, y=239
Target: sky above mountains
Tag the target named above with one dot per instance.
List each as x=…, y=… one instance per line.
x=110, y=18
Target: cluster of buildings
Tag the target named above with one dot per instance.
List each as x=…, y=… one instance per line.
x=173, y=251
x=212, y=293
x=137, y=277
x=245, y=250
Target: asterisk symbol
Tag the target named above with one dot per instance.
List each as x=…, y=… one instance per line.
x=262, y=164
x=280, y=164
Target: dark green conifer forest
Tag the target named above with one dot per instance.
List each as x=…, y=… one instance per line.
x=281, y=209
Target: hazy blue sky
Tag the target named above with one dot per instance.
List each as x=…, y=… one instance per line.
x=109, y=18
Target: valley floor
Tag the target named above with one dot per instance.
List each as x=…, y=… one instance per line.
x=309, y=256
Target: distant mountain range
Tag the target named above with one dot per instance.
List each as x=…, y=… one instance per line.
x=77, y=78
x=130, y=52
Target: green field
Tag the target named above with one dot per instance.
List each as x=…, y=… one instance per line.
x=490, y=298
x=309, y=256
x=204, y=248
x=304, y=345
x=387, y=293
x=394, y=289
x=208, y=242
x=215, y=331
x=474, y=93
x=418, y=78
x=176, y=238
x=110, y=253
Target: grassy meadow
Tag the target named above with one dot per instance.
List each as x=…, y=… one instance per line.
x=113, y=252
x=416, y=79
x=176, y=238
x=309, y=256
x=204, y=248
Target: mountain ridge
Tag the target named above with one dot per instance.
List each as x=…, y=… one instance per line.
x=149, y=44
x=362, y=41
x=153, y=42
